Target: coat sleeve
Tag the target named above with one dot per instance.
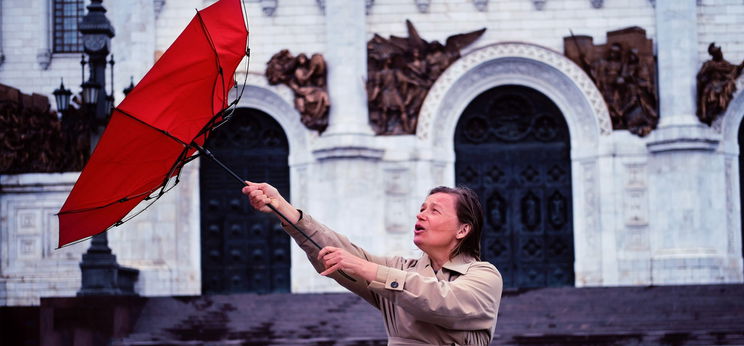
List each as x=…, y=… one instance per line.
x=470, y=302
x=324, y=236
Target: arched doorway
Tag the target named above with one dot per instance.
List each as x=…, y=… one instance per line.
x=512, y=147
x=243, y=250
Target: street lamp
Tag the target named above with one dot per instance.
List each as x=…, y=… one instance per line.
x=90, y=93
x=101, y=274
x=62, y=97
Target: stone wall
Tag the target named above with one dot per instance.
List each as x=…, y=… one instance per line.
x=634, y=223
x=162, y=243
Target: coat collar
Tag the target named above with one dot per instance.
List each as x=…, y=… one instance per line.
x=459, y=263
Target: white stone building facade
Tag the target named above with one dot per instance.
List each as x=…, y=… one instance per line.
x=656, y=210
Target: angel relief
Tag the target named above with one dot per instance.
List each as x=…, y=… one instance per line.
x=400, y=71
x=307, y=79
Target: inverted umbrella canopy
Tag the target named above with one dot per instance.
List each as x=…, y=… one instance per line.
x=157, y=127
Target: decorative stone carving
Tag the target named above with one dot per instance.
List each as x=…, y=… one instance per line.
x=592, y=239
x=307, y=79
x=597, y=3
x=367, y=5
x=423, y=5
x=157, y=6
x=397, y=189
x=400, y=72
x=34, y=140
x=653, y=3
x=716, y=84
x=624, y=71
x=636, y=195
x=534, y=66
x=731, y=227
x=44, y=58
x=269, y=7
x=481, y=5
x=539, y=4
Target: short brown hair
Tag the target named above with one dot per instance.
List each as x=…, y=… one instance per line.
x=469, y=211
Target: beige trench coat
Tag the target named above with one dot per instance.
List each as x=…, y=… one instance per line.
x=455, y=306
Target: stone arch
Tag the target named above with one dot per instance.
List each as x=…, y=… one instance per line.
x=573, y=92
x=524, y=64
x=731, y=121
x=278, y=102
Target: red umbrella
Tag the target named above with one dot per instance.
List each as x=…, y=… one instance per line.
x=160, y=124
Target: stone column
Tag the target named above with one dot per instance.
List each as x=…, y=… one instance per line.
x=343, y=183
x=686, y=175
x=346, y=57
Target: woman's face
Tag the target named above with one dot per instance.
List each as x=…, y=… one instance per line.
x=437, y=224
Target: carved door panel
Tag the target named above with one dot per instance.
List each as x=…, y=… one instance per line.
x=244, y=250
x=512, y=148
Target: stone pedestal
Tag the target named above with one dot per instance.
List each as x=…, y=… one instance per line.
x=101, y=274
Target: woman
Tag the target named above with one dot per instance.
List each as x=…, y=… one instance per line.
x=446, y=297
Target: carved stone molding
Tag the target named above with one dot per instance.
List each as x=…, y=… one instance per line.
x=539, y=4
x=653, y=2
x=529, y=65
x=728, y=124
x=636, y=195
x=481, y=5
x=44, y=58
x=731, y=226
x=157, y=6
x=269, y=7
x=397, y=188
x=367, y=5
x=423, y=5
x=592, y=230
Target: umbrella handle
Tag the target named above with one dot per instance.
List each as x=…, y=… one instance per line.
x=277, y=212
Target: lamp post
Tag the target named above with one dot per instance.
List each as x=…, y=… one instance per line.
x=101, y=274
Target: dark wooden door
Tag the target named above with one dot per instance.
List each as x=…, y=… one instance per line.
x=512, y=147
x=244, y=250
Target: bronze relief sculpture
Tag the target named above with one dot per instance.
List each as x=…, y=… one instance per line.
x=624, y=71
x=307, y=79
x=34, y=140
x=716, y=84
x=400, y=72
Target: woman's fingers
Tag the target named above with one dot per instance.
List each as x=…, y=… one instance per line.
x=331, y=269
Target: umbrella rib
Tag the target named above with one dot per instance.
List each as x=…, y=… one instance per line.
x=217, y=60
x=121, y=200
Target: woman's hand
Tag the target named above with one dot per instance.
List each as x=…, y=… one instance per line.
x=335, y=259
x=262, y=194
